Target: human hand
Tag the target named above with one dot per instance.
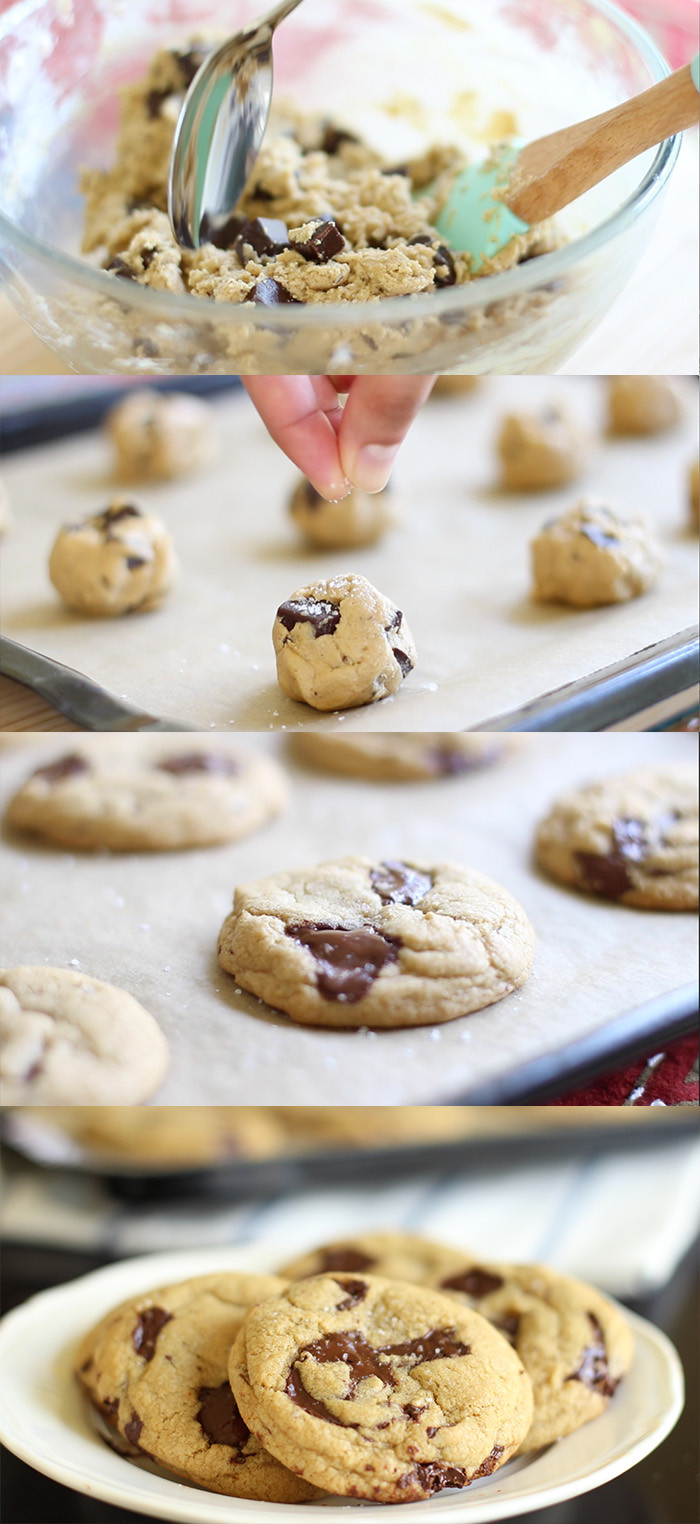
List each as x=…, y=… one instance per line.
x=340, y=447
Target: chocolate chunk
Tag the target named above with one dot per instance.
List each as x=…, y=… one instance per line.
x=219, y=1418
x=348, y=961
x=394, y=621
x=189, y=61
x=606, y=873
x=266, y=235
x=421, y=238
x=147, y=1330
x=65, y=767
x=403, y=169
x=199, y=762
x=320, y=613
x=145, y=349
x=412, y=1411
x=445, y=273
x=225, y=235
x=114, y=514
x=435, y=1477
x=598, y=536
x=447, y=761
x=109, y=1408
x=439, y=1344
x=594, y=1371
x=489, y=1465
x=508, y=1324
x=154, y=101
x=132, y=1429
x=345, y=1259
x=356, y=1292
x=403, y=660
x=147, y=257
x=472, y=1282
x=269, y=293
x=397, y=884
x=334, y=137
x=133, y=562
x=119, y=266
x=323, y=243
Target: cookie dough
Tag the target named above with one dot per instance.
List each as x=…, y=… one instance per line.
x=379, y=1389
x=590, y=556
x=642, y=404
x=341, y=643
x=361, y=518
x=117, y=562
x=541, y=450
x=324, y=217
x=155, y=1373
x=361, y=943
x=572, y=1341
x=455, y=386
x=190, y=798
x=694, y=494
x=398, y=756
x=74, y=1041
x=632, y=838
x=158, y=436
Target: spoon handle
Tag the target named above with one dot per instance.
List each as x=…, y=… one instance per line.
x=273, y=18
x=555, y=170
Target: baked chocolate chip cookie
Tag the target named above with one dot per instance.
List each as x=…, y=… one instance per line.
x=396, y=756
x=354, y=942
x=379, y=1389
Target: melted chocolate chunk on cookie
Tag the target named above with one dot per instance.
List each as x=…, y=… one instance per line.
x=598, y=536
x=363, y=1359
x=356, y=1291
x=132, y=1429
x=447, y=761
x=489, y=1465
x=607, y=873
x=109, y=1408
x=269, y=293
x=265, y=235
x=119, y=266
x=64, y=767
x=323, y=243
x=435, y=1477
x=472, y=1282
x=116, y=513
x=147, y=1330
x=199, y=762
x=320, y=613
x=594, y=1371
x=220, y=1420
x=133, y=562
x=347, y=961
x=345, y=1259
x=397, y=884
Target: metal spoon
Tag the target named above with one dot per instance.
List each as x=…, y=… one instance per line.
x=220, y=129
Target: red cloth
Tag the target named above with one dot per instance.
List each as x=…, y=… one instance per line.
x=671, y=1077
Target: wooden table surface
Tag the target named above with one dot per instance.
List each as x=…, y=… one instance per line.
x=652, y=328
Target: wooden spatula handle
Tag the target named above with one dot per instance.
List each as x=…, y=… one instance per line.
x=553, y=171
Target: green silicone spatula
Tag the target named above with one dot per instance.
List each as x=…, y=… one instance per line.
x=519, y=186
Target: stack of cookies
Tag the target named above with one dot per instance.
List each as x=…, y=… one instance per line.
x=384, y=1367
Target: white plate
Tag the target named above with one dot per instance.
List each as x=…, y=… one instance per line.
x=42, y=1418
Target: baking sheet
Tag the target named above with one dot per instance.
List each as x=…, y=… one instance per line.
x=458, y=567
x=149, y=923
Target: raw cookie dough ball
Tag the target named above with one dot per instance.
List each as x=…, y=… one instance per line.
x=118, y=562
x=540, y=450
x=158, y=436
x=694, y=493
x=590, y=556
x=69, y=1040
x=341, y=643
x=5, y=514
x=455, y=386
x=359, y=519
x=642, y=404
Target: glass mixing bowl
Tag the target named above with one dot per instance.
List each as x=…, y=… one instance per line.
x=402, y=73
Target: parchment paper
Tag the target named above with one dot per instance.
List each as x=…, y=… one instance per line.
x=149, y=924
x=458, y=567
